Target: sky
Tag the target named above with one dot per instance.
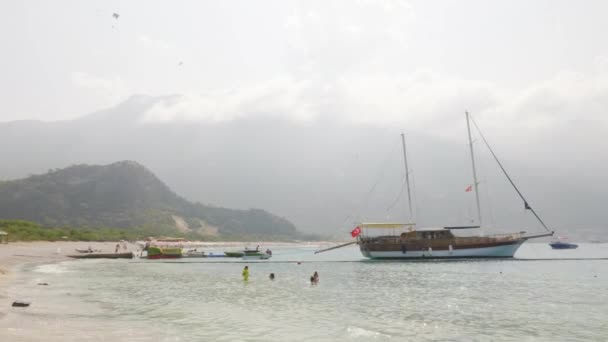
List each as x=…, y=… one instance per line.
x=363, y=61
x=534, y=74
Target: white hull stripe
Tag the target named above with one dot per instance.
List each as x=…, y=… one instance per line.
x=504, y=251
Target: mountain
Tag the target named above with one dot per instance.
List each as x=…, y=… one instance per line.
x=125, y=195
x=324, y=176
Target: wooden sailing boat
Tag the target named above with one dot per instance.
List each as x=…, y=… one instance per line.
x=405, y=241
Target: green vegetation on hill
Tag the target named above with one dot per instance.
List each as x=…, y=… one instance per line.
x=128, y=198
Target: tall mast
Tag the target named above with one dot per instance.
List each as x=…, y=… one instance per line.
x=407, y=178
x=476, y=183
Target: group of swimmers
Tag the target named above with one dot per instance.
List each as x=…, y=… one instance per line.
x=314, y=279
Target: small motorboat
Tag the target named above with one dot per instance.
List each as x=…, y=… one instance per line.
x=250, y=254
x=562, y=245
x=193, y=253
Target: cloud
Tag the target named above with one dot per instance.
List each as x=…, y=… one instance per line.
x=113, y=88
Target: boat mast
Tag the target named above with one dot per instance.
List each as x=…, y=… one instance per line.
x=476, y=183
x=407, y=178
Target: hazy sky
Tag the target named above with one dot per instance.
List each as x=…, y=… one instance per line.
x=421, y=62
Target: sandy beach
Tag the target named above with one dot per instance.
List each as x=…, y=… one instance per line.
x=16, y=254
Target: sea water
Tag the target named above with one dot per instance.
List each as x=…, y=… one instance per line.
x=539, y=296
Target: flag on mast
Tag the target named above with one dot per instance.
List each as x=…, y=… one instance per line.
x=469, y=188
x=355, y=232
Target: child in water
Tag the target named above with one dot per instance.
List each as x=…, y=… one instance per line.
x=245, y=273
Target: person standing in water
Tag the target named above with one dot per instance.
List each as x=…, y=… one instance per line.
x=271, y=276
x=245, y=273
x=316, y=277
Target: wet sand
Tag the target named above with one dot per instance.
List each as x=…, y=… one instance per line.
x=16, y=254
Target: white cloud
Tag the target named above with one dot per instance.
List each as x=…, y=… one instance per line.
x=112, y=88
x=424, y=101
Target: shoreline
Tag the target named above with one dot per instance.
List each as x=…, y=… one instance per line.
x=16, y=255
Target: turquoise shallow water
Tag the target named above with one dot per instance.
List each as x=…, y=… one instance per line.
x=355, y=300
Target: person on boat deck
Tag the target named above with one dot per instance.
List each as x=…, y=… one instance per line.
x=271, y=276
x=117, y=248
x=257, y=248
x=268, y=251
x=245, y=273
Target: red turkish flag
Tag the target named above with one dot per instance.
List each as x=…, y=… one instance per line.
x=355, y=232
x=469, y=188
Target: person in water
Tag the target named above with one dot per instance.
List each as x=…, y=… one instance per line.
x=315, y=277
x=245, y=273
x=271, y=276
x=312, y=280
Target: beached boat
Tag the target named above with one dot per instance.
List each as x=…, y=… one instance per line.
x=405, y=241
x=128, y=255
x=155, y=252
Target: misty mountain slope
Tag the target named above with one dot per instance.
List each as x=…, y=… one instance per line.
x=319, y=174
x=126, y=194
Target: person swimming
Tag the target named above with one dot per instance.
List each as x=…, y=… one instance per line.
x=271, y=276
x=245, y=273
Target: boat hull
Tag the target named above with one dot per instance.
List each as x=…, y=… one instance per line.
x=256, y=257
x=128, y=255
x=495, y=251
x=164, y=253
x=563, y=245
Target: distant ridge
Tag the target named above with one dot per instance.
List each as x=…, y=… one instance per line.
x=126, y=194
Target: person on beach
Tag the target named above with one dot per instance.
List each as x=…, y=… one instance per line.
x=271, y=276
x=245, y=273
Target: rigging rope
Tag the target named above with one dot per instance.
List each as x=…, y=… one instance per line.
x=375, y=184
x=390, y=207
x=526, y=205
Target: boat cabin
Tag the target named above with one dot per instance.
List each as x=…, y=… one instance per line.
x=428, y=234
